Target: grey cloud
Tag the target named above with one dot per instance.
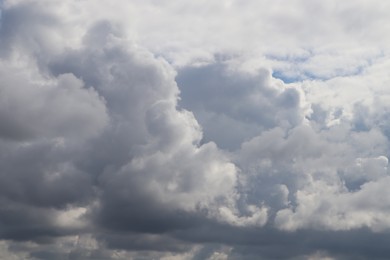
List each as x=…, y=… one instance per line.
x=31, y=109
x=33, y=103
x=234, y=106
x=132, y=160
x=144, y=105
x=41, y=174
x=28, y=26
x=108, y=152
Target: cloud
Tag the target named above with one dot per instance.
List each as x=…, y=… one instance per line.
x=234, y=105
x=207, y=130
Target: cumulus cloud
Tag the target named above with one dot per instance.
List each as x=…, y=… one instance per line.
x=207, y=130
x=234, y=105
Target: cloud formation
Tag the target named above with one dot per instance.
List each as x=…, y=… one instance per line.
x=207, y=130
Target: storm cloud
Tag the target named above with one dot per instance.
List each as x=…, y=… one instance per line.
x=202, y=130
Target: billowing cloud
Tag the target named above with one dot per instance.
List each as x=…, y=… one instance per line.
x=207, y=130
x=234, y=105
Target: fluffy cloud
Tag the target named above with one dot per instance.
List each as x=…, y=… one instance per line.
x=207, y=130
x=234, y=105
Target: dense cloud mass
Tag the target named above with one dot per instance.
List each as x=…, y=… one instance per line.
x=194, y=129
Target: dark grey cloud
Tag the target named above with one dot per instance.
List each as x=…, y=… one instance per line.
x=107, y=151
x=107, y=138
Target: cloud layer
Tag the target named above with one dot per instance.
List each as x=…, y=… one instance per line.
x=207, y=130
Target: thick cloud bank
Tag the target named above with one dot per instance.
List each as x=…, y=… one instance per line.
x=207, y=130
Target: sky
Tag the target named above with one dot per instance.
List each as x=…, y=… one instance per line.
x=175, y=130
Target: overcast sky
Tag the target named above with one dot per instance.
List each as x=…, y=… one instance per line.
x=207, y=129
